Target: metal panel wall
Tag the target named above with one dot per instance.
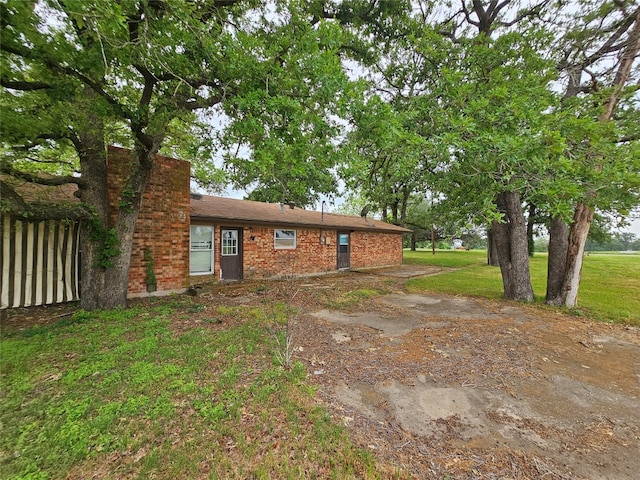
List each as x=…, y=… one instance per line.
x=39, y=262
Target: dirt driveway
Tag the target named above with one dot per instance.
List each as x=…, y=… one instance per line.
x=440, y=385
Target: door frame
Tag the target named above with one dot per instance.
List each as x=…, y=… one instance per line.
x=343, y=260
x=240, y=260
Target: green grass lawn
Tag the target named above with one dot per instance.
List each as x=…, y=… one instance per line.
x=148, y=393
x=609, y=290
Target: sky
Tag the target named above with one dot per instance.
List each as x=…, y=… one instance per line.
x=634, y=227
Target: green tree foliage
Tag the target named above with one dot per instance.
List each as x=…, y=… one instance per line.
x=618, y=242
x=471, y=101
x=281, y=140
x=79, y=75
x=497, y=130
x=598, y=55
x=385, y=157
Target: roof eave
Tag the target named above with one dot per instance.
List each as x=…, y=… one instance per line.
x=363, y=228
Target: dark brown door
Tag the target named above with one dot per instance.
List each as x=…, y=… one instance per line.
x=343, y=250
x=231, y=253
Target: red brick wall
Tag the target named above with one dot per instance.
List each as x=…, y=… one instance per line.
x=262, y=260
x=373, y=249
x=163, y=224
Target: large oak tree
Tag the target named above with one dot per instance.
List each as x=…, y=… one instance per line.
x=81, y=74
x=598, y=58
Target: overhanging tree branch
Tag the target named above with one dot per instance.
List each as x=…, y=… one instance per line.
x=628, y=56
x=23, y=85
x=610, y=46
x=53, y=181
x=55, y=67
x=529, y=12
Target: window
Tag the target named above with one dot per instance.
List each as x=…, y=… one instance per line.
x=201, y=255
x=285, y=239
x=343, y=244
x=229, y=242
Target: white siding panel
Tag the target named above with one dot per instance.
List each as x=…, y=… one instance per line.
x=39, y=254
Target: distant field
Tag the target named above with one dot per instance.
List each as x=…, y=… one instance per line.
x=609, y=291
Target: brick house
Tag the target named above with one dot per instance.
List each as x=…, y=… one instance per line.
x=235, y=239
x=190, y=238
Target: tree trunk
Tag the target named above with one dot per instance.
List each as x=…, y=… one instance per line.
x=394, y=212
x=433, y=240
x=511, y=244
x=403, y=206
x=530, y=225
x=414, y=239
x=102, y=286
x=492, y=248
x=558, y=245
x=583, y=215
x=575, y=250
x=93, y=192
x=117, y=276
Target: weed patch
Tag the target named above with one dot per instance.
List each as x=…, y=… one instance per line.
x=351, y=299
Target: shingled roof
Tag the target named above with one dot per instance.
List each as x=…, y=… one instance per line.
x=34, y=201
x=205, y=207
